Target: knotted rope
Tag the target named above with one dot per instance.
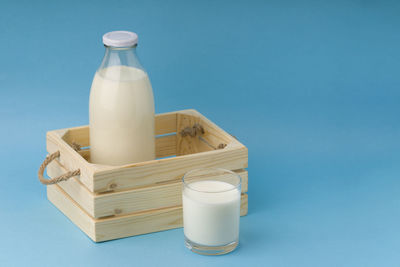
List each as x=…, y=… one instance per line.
x=198, y=130
x=60, y=178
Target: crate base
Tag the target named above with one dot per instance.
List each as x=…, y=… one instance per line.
x=121, y=226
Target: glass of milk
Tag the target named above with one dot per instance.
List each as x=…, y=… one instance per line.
x=211, y=210
x=121, y=106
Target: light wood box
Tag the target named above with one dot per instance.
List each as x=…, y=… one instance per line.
x=109, y=202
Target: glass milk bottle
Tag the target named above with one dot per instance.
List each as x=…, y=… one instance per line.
x=121, y=108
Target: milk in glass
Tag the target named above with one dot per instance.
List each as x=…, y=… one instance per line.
x=211, y=213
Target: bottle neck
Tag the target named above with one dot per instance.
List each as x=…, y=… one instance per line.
x=120, y=56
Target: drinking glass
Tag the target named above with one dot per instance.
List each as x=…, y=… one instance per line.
x=211, y=210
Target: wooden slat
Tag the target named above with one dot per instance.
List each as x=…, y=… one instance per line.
x=168, y=169
x=85, y=153
x=186, y=144
x=121, y=226
x=125, y=202
x=67, y=206
x=79, y=135
x=70, y=158
x=73, y=187
x=166, y=146
x=165, y=123
x=214, y=134
x=210, y=140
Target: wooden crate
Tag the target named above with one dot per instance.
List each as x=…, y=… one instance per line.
x=109, y=202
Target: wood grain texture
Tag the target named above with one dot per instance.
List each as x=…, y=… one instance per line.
x=67, y=206
x=79, y=135
x=74, y=188
x=187, y=144
x=165, y=123
x=168, y=169
x=121, y=226
x=214, y=135
x=71, y=159
x=166, y=146
x=125, y=202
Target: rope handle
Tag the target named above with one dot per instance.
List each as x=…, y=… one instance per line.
x=58, y=179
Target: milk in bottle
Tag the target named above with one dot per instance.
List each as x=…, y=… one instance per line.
x=121, y=108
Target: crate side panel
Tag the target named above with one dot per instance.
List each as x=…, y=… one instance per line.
x=147, y=198
x=76, y=190
x=187, y=144
x=71, y=210
x=125, y=202
x=165, y=123
x=214, y=134
x=123, y=226
x=71, y=159
x=166, y=146
x=147, y=222
x=168, y=169
x=78, y=135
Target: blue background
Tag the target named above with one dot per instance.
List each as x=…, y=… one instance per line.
x=310, y=87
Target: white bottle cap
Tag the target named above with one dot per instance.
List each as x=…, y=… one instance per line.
x=120, y=39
